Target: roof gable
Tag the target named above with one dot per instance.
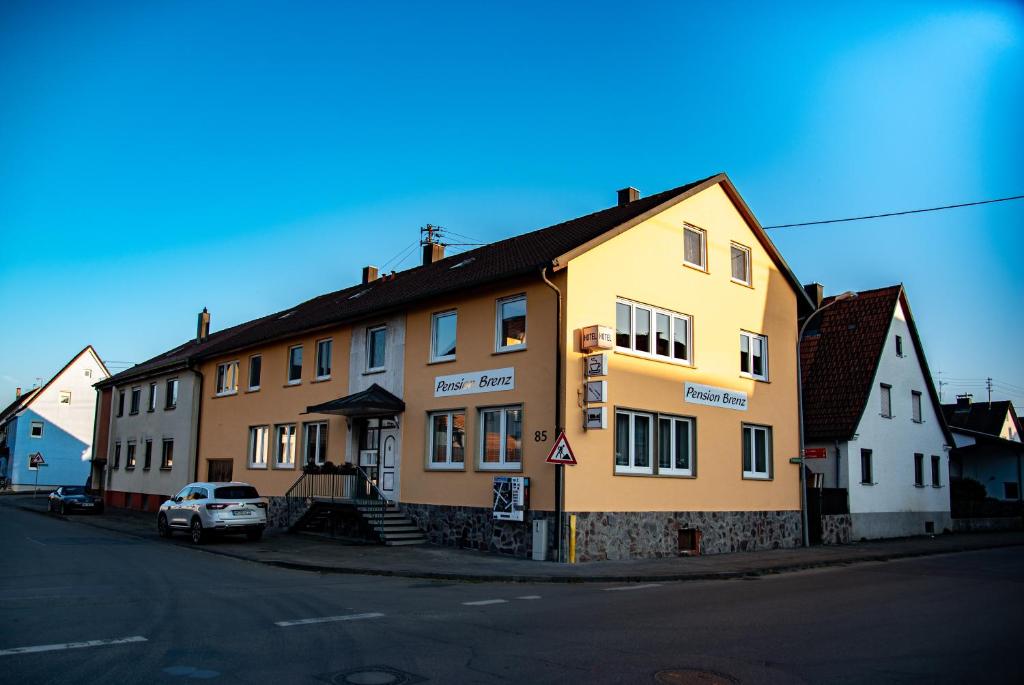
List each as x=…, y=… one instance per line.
x=29, y=397
x=980, y=417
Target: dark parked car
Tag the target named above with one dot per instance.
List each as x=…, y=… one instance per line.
x=69, y=498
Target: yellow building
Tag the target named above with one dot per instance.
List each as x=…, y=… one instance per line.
x=448, y=384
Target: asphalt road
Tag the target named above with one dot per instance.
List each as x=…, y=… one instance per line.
x=164, y=613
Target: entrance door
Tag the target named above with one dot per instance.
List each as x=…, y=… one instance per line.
x=369, y=449
x=389, y=465
x=219, y=470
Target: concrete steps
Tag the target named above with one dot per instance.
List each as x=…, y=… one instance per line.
x=392, y=526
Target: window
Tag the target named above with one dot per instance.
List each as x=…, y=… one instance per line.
x=753, y=356
x=446, y=440
x=634, y=442
x=117, y=455
x=757, y=452
x=64, y=397
x=695, y=248
x=865, y=467
x=1011, y=490
x=147, y=457
x=151, y=404
x=88, y=373
x=120, y=403
x=936, y=472
x=227, y=378
x=886, y=395
x=35, y=429
x=899, y=345
x=442, y=336
x=740, y=257
x=171, y=401
x=376, y=346
x=255, y=371
x=258, y=446
x=323, y=359
x=129, y=460
x=915, y=403
x=295, y=364
x=675, y=446
x=316, y=442
x=511, y=333
x=501, y=438
x=136, y=399
x=284, y=446
x=919, y=470
x=167, y=456
x=671, y=334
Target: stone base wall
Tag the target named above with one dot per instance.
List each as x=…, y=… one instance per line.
x=476, y=528
x=278, y=514
x=651, y=534
x=836, y=529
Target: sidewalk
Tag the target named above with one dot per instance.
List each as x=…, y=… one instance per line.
x=326, y=556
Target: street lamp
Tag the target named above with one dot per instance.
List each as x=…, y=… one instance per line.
x=848, y=295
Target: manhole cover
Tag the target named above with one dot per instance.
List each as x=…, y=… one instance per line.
x=692, y=676
x=373, y=675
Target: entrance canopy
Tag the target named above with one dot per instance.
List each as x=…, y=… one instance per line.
x=374, y=401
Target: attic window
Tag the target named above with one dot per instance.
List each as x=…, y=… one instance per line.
x=359, y=294
x=464, y=262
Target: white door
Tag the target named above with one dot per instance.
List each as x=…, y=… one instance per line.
x=389, y=464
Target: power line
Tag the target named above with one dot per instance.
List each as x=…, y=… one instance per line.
x=901, y=213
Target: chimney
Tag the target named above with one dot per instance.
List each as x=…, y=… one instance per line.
x=17, y=393
x=815, y=291
x=203, y=328
x=964, y=401
x=369, y=274
x=432, y=252
x=627, y=195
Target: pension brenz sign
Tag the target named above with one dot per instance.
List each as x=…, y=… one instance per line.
x=474, y=382
x=711, y=396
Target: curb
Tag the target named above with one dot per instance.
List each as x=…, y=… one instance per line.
x=776, y=569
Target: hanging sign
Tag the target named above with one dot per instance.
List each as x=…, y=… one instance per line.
x=595, y=418
x=597, y=338
x=560, y=452
x=814, y=453
x=596, y=365
x=597, y=391
x=711, y=396
x=475, y=382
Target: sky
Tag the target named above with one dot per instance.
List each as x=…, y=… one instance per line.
x=157, y=158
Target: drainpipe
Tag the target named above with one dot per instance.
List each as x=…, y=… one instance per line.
x=559, y=416
x=199, y=419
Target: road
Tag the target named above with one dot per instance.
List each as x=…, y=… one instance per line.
x=165, y=613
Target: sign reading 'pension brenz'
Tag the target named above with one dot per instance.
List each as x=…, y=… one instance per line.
x=474, y=382
x=709, y=395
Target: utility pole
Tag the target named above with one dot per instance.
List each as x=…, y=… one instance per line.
x=988, y=384
x=940, y=383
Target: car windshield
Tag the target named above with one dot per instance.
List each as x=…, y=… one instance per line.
x=236, y=492
x=74, y=490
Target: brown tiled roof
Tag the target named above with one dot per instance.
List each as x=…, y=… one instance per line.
x=839, y=357
x=978, y=416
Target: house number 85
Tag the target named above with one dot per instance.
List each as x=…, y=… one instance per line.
x=540, y=436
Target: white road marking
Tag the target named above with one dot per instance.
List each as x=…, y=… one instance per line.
x=485, y=602
x=71, y=645
x=631, y=587
x=529, y=597
x=326, y=619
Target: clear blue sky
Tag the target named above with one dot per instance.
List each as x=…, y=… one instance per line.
x=156, y=158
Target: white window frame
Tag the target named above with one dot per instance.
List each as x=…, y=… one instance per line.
x=164, y=464
x=253, y=357
x=885, y=398
x=747, y=279
x=703, y=266
x=502, y=464
x=654, y=311
x=152, y=398
x=915, y=406
x=434, y=318
x=171, y=393
x=329, y=342
x=753, y=473
x=230, y=379
x=673, y=470
x=135, y=401
x=499, y=345
x=370, y=368
x=318, y=459
x=447, y=464
x=278, y=462
x=751, y=337
x=32, y=429
x=258, y=452
x=631, y=467
x=288, y=365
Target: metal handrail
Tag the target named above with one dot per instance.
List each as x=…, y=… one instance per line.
x=335, y=487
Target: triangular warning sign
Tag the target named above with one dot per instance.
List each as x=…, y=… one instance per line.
x=560, y=452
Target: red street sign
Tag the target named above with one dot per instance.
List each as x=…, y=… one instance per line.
x=814, y=453
x=560, y=452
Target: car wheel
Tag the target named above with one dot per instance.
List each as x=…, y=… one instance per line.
x=162, y=529
x=196, y=531
x=254, y=535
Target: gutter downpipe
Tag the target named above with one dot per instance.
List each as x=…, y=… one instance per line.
x=559, y=414
x=199, y=419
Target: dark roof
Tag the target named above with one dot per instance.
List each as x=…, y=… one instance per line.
x=506, y=259
x=980, y=417
x=17, y=404
x=839, y=357
x=374, y=401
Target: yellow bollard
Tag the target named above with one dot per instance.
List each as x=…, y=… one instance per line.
x=572, y=538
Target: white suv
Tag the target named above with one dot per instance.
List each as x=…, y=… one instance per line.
x=204, y=508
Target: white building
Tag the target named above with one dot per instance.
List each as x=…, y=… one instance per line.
x=988, y=445
x=870, y=403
